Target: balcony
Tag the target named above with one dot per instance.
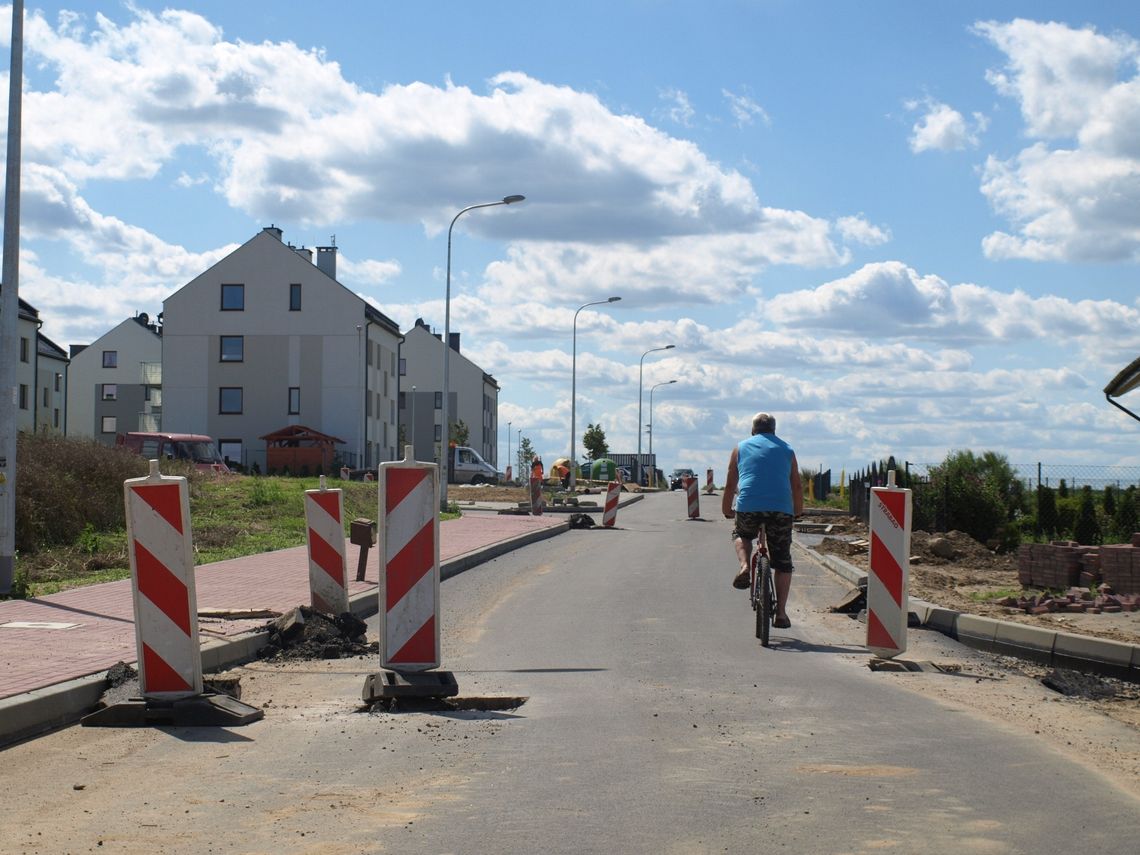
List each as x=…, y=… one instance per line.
x=151, y=373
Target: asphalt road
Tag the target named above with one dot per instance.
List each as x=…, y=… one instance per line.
x=653, y=722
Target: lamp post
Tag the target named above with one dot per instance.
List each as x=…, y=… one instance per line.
x=363, y=389
x=574, y=385
x=509, y=444
x=413, y=436
x=445, y=436
x=640, y=372
x=666, y=383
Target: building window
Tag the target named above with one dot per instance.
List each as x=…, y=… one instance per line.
x=23, y=349
x=58, y=380
x=403, y=396
x=109, y=392
x=233, y=298
x=23, y=396
x=230, y=449
x=232, y=348
x=55, y=418
x=46, y=393
x=438, y=432
x=294, y=400
x=109, y=424
x=439, y=400
x=110, y=359
x=295, y=297
x=403, y=367
x=229, y=400
x=367, y=353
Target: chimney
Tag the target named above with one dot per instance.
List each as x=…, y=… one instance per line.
x=326, y=260
x=305, y=253
x=454, y=341
x=273, y=230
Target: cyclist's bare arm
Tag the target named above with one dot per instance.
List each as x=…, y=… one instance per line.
x=728, y=498
x=797, y=490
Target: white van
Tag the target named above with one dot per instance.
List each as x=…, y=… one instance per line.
x=468, y=467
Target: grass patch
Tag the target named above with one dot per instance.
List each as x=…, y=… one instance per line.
x=230, y=516
x=998, y=594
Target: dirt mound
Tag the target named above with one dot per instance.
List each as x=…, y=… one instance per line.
x=304, y=633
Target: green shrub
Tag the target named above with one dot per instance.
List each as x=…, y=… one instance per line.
x=1086, y=531
x=1124, y=521
x=1046, y=512
x=982, y=495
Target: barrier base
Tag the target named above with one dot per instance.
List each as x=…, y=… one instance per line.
x=409, y=684
x=205, y=710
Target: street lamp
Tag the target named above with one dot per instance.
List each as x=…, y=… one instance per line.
x=640, y=371
x=666, y=383
x=509, y=446
x=574, y=385
x=413, y=436
x=445, y=442
x=1127, y=380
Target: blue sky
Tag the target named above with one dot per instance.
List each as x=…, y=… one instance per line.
x=904, y=228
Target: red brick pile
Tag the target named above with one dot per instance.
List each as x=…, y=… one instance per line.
x=1065, y=564
x=1074, y=600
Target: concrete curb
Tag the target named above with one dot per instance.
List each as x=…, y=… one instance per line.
x=43, y=710
x=1037, y=644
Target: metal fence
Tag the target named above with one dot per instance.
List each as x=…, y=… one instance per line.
x=930, y=505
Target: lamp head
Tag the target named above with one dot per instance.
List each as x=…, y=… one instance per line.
x=510, y=200
x=613, y=299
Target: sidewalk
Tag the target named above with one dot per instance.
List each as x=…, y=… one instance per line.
x=54, y=650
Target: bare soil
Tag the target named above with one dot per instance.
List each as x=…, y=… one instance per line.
x=971, y=578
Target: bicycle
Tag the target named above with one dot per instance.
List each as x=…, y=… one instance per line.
x=762, y=592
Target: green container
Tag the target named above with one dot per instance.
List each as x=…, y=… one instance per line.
x=603, y=470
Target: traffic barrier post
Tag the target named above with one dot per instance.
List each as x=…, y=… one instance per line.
x=609, y=515
x=161, y=554
x=887, y=581
x=710, y=489
x=536, y=499
x=694, y=497
x=409, y=583
x=324, y=536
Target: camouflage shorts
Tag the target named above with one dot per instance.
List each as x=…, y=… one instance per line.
x=777, y=529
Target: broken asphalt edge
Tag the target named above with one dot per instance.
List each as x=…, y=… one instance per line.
x=41, y=711
x=1037, y=644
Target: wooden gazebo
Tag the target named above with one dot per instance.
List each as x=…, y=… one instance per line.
x=301, y=450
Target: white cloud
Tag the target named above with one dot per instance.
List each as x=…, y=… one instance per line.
x=858, y=230
x=942, y=128
x=679, y=111
x=1074, y=193
x=744, y=110
x=368, y=271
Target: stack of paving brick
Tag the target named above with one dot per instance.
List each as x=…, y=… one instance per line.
x=1074, y=600
x=1051, y=565
x=1120, y=565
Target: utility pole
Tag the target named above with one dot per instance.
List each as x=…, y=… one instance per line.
x=10, y=309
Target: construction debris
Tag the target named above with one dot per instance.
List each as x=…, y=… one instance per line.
x=304, y=633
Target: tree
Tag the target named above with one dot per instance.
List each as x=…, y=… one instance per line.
x=1124, y=521
x=1063, y=489
x=1046, y=511
x=980, y=495
x=1109, y=501
x=594, y=441
x=525, y=456
x=1087, y=529
x=460, y=433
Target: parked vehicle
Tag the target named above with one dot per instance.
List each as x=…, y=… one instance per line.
x=676, y=480
x=192, y=447
x=468, y=467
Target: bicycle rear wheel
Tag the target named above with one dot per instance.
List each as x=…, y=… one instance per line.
x=766, y=612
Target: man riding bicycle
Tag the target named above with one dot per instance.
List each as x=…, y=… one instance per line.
x=763, y=488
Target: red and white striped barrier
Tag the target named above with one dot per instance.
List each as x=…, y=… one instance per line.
x=887, y=599
x=328, y=563
x=609, y=515
x=409, y=589
x=162, y=582
x=694, y=498
x=710, y=488
x=507, y=475
x=536, y=500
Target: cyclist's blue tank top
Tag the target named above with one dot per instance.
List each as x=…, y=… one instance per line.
x=764, y=466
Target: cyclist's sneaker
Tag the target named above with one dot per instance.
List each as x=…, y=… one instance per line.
x=782, y=623
x=741, y=581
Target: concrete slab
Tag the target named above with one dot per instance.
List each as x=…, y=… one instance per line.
x=978, y=632
x=1027, y=642
x=1096, y=654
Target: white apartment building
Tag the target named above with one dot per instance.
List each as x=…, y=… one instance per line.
x=473, y=399
x=115, y=383
x=41, y=376
x=265, y=339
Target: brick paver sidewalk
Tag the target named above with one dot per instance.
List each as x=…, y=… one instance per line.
x=87, y=630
